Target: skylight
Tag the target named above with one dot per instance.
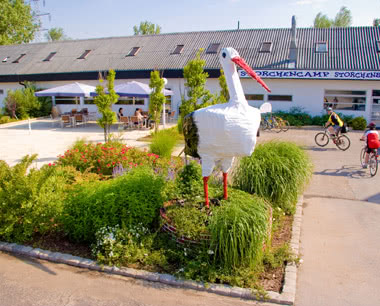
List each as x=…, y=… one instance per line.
x=18, y=59
x=50, y=56
x=178, y=49
x=84, y=55
x=321, y=47
x=5, y=59
x=266, y=47
x=133, y=51
x=213, y=48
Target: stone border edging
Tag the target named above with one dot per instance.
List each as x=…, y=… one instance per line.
x=20, y=122
x=287, y=296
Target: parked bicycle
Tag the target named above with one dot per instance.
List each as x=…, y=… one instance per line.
x=323, y=138
x=373, y=160
x=274, y=123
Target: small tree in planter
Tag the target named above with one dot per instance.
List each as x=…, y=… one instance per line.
x=157, y=98
x=104, y=103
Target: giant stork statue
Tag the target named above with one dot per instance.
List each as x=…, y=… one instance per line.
x=218, y=133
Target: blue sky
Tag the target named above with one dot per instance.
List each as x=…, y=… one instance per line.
x=83, y=19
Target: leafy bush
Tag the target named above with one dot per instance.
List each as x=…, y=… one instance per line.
x=29, y=202
x=238, y=228
x=129, y=200
x=296, y=116
x=189, y=181
x=6, y=119
x=164, y=141
x=277, y=171
x=358, y=123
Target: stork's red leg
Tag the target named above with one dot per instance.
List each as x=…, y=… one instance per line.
x=205, y=187
x=225, y=185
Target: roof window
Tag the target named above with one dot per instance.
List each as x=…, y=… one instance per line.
x=378, y=45
x=50, y=56
x=266, y=47
x=321, y=47
x=84, y=55
x=133, y=51
x=5, y=59
x=17, y=60
x=178, y=49
x=213, y=48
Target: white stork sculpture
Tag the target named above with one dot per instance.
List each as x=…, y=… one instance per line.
x=220, y=132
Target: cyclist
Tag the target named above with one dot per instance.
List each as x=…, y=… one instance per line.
x=334, y=123
x=371, y=136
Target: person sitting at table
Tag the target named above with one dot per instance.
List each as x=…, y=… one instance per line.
x=138, y=114
x=120, y=113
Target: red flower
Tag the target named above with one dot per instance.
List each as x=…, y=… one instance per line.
x=49, y=164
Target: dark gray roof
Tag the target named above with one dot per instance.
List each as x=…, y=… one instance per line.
x=351, y=48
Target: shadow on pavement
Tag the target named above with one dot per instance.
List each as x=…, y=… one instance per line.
x=318, y=149
x=34, y=263
x=355, y=172
x=374, y=199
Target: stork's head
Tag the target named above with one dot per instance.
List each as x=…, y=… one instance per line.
x=230, y=55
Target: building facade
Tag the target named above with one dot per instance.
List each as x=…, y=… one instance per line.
x=304, y=67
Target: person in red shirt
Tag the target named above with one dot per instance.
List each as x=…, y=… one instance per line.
x=371, y=136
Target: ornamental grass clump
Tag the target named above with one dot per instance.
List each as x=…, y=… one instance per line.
x=277, y=171
x=163, y=142
x=239, y=228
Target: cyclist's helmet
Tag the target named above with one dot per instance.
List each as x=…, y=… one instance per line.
x=329, y=109
x=372, y=125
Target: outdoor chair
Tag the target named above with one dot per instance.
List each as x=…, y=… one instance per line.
x=79, y=118
x=126, y=122
x=171, y=116
x=74, y=111
x=65, y=119
x=136, y=122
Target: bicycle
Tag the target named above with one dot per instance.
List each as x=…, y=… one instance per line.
x=284, y=124
x=323, y=138
x=373, y=161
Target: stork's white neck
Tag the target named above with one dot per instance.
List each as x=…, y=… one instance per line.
x=233, y=82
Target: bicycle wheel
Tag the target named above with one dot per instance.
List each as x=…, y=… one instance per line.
x=362, y=156
x=372, y=164
x=343, y=142
x=276, y=125
x=285, y=125
x=321, y=139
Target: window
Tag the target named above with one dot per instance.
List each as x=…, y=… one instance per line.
x=321, y=47
x=67, y=100
x=89, y=100
x=84, y=54
x=1, y=91
x=130, y=101
x=213, y=48
x=50, y=56
x=266, y=47
x=133, y=51
x=254, y=97
x=178, y=49
x=345, y=99
x=378, y=45
x=280, y=98
x=18, y=59
x=5, y=59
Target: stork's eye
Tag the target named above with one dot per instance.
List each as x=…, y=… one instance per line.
x=224, y=54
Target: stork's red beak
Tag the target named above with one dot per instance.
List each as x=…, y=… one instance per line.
x=241, y=62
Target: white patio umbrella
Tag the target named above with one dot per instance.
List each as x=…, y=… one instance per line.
x=69, y=90
x=137, y=89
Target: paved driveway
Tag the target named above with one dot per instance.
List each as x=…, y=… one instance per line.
x=339, y=240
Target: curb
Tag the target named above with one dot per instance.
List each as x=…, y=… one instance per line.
x=287, y=296
x=20, y=122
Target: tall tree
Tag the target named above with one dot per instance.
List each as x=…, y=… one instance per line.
x=157, y=98
x=16, y=22
x=55, y=34
x=104, y=103
x=342, y=19
x=146, y=28
x=376, y=22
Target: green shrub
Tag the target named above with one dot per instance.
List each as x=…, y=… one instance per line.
x=6, y=119
x=358, y=123
x=131, y=199
x=29, y=202
x=238, y=228
x=164, y=141
x=277, y=171
x=189, y=181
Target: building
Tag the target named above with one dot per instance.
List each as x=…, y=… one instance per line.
x=304, y=67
